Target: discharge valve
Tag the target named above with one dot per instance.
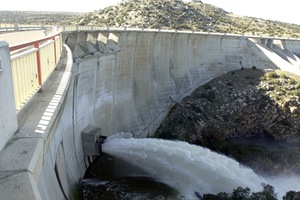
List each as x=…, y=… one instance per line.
x=92, y=140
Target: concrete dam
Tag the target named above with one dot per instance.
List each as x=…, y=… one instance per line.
x=127, y=81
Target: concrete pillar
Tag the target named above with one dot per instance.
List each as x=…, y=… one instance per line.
x=8, y=115
x=263, y=41
x=270, y=43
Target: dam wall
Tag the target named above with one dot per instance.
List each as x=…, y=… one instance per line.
x=293, y=46
x=138, y=75
x=127, y=81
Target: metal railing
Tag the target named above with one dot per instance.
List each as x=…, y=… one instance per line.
x=32, y=63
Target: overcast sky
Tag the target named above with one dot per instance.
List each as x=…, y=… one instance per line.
x=286, y=11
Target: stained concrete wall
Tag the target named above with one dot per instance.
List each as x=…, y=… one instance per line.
x=8, y=116
x=292, y=45
x=130, y=85
x=127, y=81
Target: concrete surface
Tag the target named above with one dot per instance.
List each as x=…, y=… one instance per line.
x=8, y=116
x=19, y=37
x=118, y=81
x=23, y=157
x=134, y=79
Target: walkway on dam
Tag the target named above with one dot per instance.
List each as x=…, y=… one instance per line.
x=19, y=37
x=23, y=154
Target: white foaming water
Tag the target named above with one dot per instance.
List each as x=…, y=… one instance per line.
x=284, y=184
x=187, y=168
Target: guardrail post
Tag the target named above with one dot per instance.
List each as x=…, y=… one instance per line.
x=16, y=27
x=55, y=59
x=39, y=69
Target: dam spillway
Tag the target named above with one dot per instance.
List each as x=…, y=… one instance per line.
x=127, y=81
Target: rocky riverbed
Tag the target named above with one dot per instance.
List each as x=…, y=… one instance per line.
x=247, y=103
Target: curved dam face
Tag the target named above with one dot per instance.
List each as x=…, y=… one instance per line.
x=126, y=81
x=137, y=75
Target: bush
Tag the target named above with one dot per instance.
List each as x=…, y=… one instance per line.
x=276, y=97
x=283, y=76
x=219, y=196
x=268, y=193
x=271, y=75
x=289, y=195
x=240, y=193
x=292, y=81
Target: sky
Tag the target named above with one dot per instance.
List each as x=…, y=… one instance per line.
x=285, y=11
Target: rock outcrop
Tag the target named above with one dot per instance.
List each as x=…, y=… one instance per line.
x=244, y=103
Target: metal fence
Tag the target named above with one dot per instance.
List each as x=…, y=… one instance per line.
x=32, y=63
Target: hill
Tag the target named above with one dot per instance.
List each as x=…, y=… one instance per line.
x=181, y=15
x=36, y=17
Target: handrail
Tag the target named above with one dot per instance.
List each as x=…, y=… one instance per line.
x=33, y=65
x=27, y=44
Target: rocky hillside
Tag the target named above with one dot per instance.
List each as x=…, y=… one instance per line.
x=241, y=103
x=181, y=15
x=247, y=103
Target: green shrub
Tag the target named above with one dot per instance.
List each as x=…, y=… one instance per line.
x=262, y=78
x=293, y=93
x=292, y=81
x=276, y=97
x=271, y=75
x=283, y=76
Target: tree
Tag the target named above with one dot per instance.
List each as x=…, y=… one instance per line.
x=289, y=195
x=268, y=193
x=241, y=194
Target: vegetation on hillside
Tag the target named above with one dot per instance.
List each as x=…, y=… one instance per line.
x=180, y=15
x=159, y=14
x=36, y=17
